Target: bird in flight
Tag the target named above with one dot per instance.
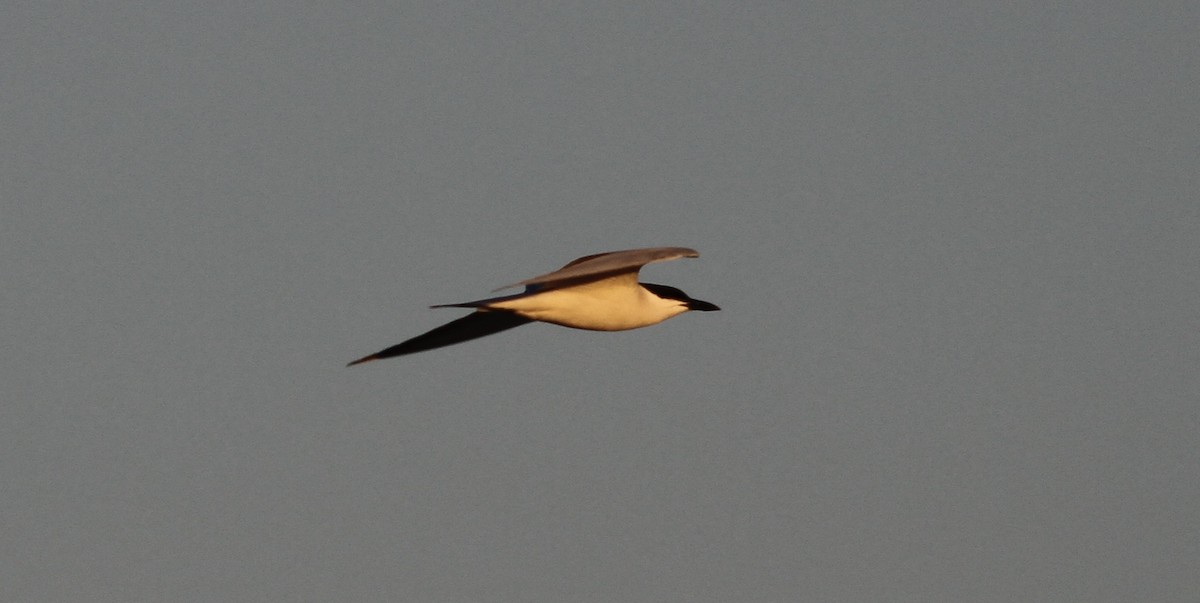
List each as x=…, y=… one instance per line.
x=598, y=292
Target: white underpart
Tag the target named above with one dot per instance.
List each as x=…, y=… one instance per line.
x=612, y=304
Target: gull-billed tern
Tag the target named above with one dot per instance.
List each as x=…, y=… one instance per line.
x=598, y=292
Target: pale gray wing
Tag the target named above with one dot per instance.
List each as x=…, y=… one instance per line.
x=607, y=264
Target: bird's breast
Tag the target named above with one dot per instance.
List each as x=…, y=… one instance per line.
x=594, y=309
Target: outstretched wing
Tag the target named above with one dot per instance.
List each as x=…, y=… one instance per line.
x=606, y=264
x=472, y=326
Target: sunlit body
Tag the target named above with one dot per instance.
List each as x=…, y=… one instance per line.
x=597, y=292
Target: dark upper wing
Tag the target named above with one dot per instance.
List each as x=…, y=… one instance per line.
x=602, y=264
x=471, y=326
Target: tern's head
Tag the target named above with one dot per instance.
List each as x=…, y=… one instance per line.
x=679, y=299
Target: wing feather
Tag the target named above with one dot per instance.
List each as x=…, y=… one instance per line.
x=606, y=264
x=472, y=326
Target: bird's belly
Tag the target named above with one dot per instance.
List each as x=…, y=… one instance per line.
x=580, y=310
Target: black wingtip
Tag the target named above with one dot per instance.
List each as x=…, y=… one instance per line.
x=364, y=359
x=472, y=326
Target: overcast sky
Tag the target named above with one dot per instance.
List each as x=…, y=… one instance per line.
x=956, y=245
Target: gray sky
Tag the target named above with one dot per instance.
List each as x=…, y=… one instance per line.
x=957, y=245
